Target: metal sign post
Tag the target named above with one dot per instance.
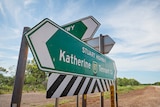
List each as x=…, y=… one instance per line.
x=19, y=79
x=77, y=100
x=116, y=92
x=101, y=50
x=84, y=100
x=102, y=99
x=112, y=94
x=56, y=102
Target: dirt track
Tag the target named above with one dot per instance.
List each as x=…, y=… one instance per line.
x=148, y=97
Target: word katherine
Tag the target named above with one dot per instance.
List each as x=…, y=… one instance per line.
x=72, y=59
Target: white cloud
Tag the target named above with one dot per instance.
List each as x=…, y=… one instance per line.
x=128, y=17
x=134, y=25
x=29, y=2
x=2, y=9
x=137, y=27
x=9, y=48
x=71, y=10
x=11, y=7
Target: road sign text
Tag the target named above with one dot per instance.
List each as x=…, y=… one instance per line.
x=72, y=59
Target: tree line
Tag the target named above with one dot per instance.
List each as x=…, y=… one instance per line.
x=36, y=79
x=126, y=82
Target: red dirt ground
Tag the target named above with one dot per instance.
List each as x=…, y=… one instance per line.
x=147, y=97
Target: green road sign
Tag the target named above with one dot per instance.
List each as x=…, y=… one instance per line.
x=83, y=28
x=56, y=50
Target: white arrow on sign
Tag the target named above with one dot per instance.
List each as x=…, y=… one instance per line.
x=48, y=30
x=108, y=43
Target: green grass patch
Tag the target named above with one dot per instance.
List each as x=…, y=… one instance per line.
x=63, y=101
x=107, y=95
x=47, y=105
x=124, y=89
x=5, y=89
x=33, y=88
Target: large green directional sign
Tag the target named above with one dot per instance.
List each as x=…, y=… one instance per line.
x=83, y=28
x=56, y=50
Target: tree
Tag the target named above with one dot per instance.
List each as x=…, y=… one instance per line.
x=34, y=76
x=3, y=69
x=125, y=82
x=133, y=82
x=10, y=71
x=156, y=83
x=6, y=83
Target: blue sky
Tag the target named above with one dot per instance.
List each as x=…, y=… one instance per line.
x=133, y=24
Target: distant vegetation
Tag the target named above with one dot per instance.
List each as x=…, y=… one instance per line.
x=156, y=83
x=6, y=84
x=126, y=82
x=3, y=69
x=36, y=80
